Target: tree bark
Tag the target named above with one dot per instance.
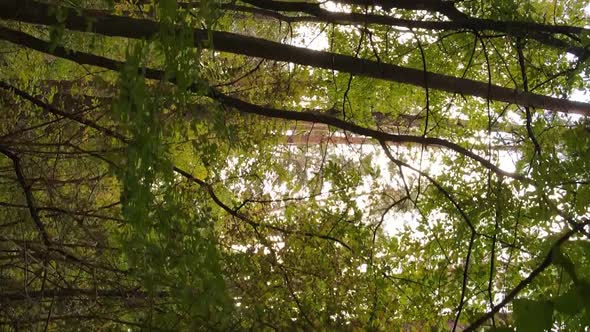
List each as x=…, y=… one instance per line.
x=542, y=33
x=240, y=105
x=117, y=26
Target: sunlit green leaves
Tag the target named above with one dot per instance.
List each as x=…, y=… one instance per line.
x=171, y=248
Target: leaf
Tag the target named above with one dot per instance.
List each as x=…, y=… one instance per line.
x=533, y=316
x=560, y=259
x=502, y=329
x=569, y=303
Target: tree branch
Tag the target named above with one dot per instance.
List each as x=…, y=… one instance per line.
x=28, y=194
x=245, y=107
x=529, y=279
x=117, y=26
x=185, y=174
x=537, y=31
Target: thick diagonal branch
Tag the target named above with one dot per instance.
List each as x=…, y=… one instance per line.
x=540, y=32
x=245, y=107
x=110, y=25
x=188, y=176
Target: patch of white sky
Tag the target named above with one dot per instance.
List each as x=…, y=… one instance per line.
x=394, y=221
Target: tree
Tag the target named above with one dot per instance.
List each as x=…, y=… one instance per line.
x=192, y=166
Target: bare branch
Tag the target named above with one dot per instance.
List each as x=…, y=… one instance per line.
x=28, y=194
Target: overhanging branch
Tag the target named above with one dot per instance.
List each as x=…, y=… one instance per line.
x=245, y=107
x=118, y=26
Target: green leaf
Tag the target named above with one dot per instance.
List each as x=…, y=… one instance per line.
x=569, y=303
x=533, y=316
x=502, y=329
x=560, y=259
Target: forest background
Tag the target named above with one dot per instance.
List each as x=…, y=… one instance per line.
x=290, y=165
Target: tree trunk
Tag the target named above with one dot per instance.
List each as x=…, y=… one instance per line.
x=117, y=26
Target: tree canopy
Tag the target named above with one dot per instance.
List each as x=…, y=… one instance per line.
x=347, y=165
